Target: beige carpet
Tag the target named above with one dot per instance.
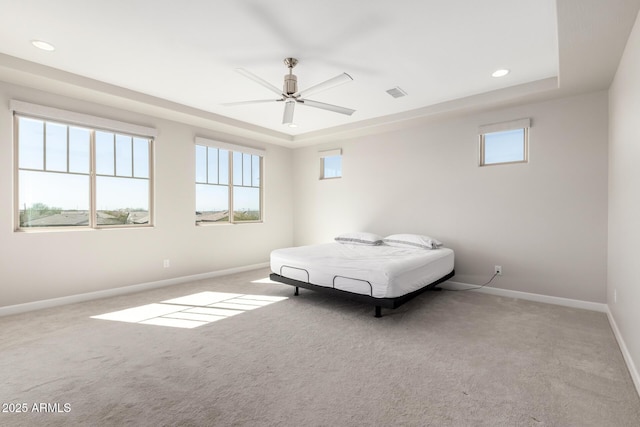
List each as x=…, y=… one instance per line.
x=443, y=359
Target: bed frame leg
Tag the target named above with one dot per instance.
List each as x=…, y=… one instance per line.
x=296, y=292
x=378, y=311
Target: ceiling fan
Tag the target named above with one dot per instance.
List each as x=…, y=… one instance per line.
x=290, y=94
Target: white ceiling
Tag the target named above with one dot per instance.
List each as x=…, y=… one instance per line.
x=441, y=53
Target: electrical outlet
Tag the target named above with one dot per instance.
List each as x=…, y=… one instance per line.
x=498, y=270
x=166, y=263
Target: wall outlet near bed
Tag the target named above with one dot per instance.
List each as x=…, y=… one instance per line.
x=166, y=263
x=498, y=270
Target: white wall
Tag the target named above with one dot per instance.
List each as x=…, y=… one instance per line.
x=41, y=265
x=545, y=222
x=623, y=275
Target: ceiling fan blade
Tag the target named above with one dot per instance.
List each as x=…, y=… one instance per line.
x=336, y=81
x=329, y=107
x=256, y=101
x=287, y=118
x=259, y=80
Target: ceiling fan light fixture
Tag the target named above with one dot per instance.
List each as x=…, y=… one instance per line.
x=500, y=72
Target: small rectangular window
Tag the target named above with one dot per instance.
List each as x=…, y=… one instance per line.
x=502, y=143
x=331, y=164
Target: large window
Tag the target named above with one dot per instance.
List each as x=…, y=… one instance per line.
x=228, y=183
x=506, y=142
x=78, y=176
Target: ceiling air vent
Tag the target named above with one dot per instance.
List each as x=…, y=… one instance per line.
x=396, y=92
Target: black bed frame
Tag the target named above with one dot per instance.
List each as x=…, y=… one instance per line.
x=378, y=302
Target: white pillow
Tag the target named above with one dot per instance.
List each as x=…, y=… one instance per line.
x=412, y=241
x=359, y=238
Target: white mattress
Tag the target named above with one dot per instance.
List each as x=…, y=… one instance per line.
x=378, y=271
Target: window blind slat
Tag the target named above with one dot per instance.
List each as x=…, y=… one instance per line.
x=504, y=126
x=231, y=147
x=81, y=119
x=330, y=153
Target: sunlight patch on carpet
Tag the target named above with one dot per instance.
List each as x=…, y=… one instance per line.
x=191, y=311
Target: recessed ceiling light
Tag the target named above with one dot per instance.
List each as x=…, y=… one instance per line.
x=500, y=73
x=40, y=44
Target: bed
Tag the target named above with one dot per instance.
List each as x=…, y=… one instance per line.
x=385, y=272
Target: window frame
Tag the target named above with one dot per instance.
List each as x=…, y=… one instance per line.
x=91, y=124
x=231, y=150
x=326, y=154
x=521, y=124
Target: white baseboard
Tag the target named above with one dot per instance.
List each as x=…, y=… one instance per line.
x=567, y=302
x=54, y=302
x=633, y=371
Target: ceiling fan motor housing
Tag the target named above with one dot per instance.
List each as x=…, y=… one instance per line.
x=290, y=84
